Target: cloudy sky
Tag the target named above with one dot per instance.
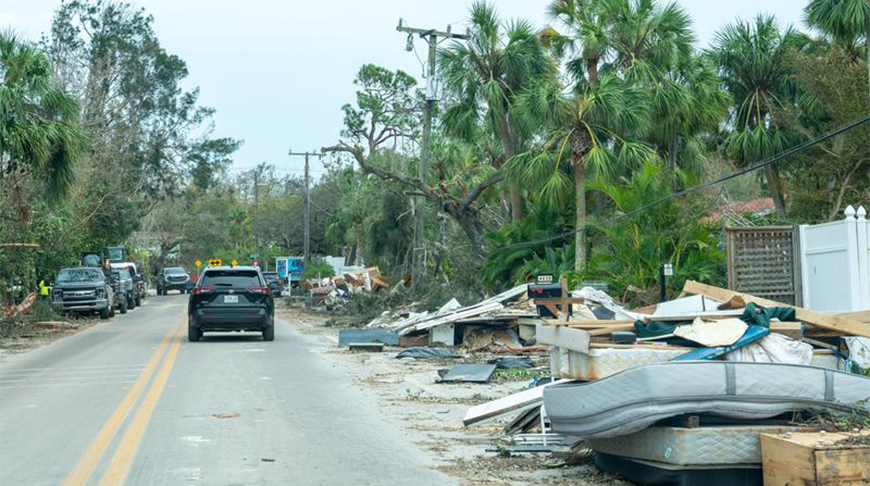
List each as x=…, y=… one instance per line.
x=277, y=72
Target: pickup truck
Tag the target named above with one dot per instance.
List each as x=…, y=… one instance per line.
x=83, y=290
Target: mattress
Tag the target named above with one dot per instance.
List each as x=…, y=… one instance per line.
x=603, y=362
x=709, y=445
x=650, y=473
x=634, y=399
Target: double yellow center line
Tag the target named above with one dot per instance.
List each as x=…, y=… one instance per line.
x=116, y=472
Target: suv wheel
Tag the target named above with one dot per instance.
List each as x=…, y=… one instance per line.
x=105, y=313
x=131, y=302
x=194, y=334
x=269, y=333
x=138, y=301
x=123, y=306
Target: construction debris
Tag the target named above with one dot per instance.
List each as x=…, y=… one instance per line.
x=712, y=363
x=467, y=373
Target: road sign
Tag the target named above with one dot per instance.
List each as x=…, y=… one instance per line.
x=234, y=263
x=215, y=262
x=197, y=263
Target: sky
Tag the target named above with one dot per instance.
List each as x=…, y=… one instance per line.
x=278, y=71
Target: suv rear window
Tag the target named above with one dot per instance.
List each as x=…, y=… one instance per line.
x=231, y=278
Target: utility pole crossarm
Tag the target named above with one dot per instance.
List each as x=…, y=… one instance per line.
x=430, y=32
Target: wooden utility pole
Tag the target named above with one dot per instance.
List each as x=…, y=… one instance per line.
x=307, y=242
x=431, y=35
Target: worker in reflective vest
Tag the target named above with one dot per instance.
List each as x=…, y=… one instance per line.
x=44, y=288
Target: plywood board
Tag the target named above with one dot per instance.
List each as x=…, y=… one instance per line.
x=826, y=321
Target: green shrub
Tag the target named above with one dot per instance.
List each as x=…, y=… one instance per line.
x=318, y=268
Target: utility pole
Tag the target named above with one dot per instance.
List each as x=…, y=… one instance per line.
x=431, y=35
x=307, y=242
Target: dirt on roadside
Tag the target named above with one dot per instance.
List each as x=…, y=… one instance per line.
x=23, y=335
x=432, y=413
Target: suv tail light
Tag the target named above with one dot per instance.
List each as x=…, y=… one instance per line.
x=260, y=290
x=201, y=290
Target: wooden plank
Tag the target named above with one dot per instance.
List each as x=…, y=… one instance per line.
x=563, y=337
x=785, y=464
x=606, y=331
x=860, y=316
x=812, y=458
x=793, y=330
x=838, y=467
x=531, y=397
x=825, y=321
x=584, y=324
x=640, y=346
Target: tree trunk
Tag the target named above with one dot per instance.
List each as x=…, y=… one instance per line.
x=773, y=184
x=592, y=70
x=580, y=215
x=516, y=203
x=510, y=149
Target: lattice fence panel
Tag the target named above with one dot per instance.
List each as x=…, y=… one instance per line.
x=763, y=261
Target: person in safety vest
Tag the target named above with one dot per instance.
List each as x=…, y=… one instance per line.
x=44, y=288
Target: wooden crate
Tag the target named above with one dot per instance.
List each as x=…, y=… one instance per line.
x=810, y=459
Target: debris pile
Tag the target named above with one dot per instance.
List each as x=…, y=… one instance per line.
x=333, y=292
x=681, y=392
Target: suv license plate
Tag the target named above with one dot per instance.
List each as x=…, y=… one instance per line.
x=231, y=299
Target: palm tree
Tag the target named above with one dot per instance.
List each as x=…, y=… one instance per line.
x=846, y=21
x=39, y=135
x=486, y=74
x=584, y=40
x=652, y=44
x=588, y=123
x=751, y=59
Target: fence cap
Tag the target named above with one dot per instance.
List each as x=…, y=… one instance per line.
x=861, y=212
x=850, y=212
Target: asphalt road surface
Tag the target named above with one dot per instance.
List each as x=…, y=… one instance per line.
x=132, y=402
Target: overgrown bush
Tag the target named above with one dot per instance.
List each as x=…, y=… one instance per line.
x=634, y=247
x=318, y=268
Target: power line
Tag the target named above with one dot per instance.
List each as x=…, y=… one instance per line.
x=690, y=190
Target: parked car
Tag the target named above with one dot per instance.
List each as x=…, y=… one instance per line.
x=231, y=299
x=127, y=286
x=140, y=290
x=273, y=280
x=83, y=290
x=172, y=278
x=118, y=290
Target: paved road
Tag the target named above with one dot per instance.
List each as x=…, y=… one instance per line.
x=132, y=402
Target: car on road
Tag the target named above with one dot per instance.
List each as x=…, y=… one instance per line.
x=274, y=282
x=83, y=290
x=127, y=286
x=140, y=290
x=231, y=299
x=172, y=278
x=118, y=290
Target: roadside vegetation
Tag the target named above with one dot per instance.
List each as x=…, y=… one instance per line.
x=546, y=139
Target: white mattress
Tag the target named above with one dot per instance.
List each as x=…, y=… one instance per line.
x=602, y=362
x=719, y=445
x=634, y=399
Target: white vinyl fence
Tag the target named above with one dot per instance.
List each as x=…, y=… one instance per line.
x=835, y=262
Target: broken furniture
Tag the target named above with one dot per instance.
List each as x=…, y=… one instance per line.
x=816, y=458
